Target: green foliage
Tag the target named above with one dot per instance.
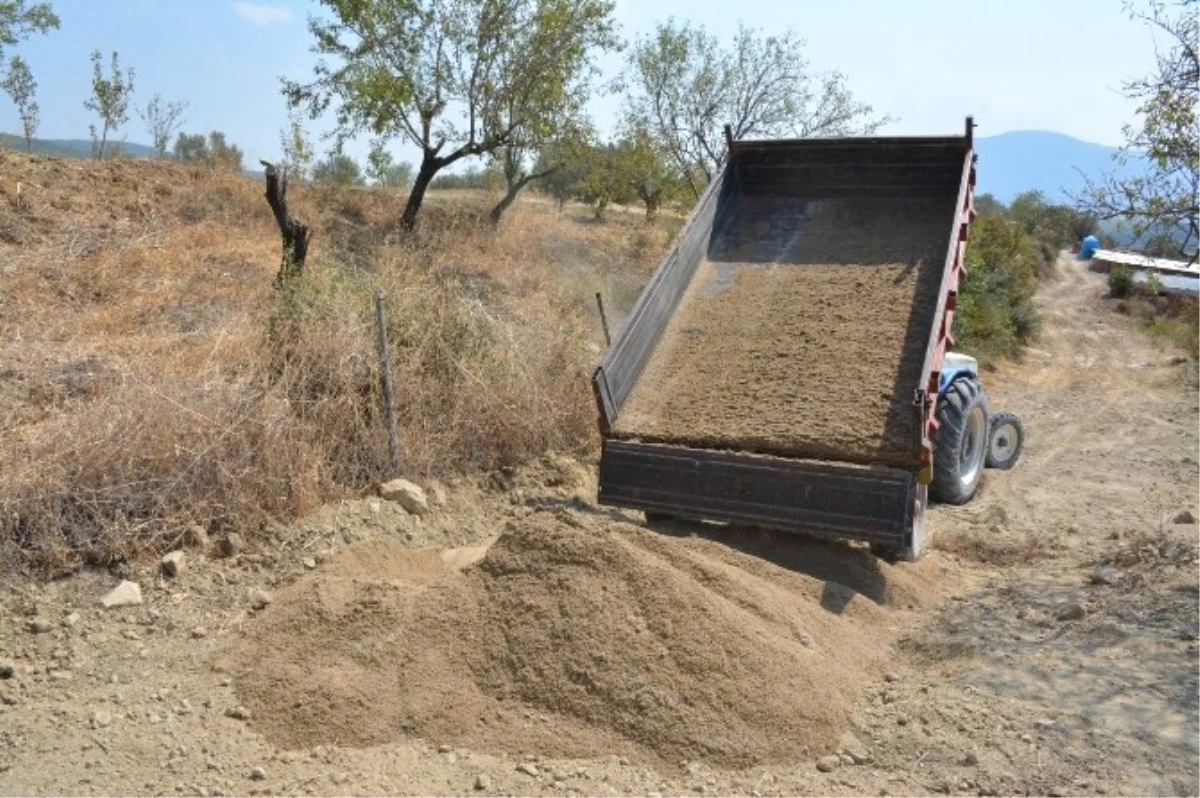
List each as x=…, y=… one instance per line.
x=20, y=86
x=19, y=19
x=162, y=119
x=1153, y=285
x=213, y=152
x=222, y=155
x=996, y=316
x=488, y=178
x=191, y=149
x=685, y=87
x=384, y=170
x=455, y=78
x=1164, y=197
x=1120, y=282
x=110, y=100
x=297, y=152
x=338, y=169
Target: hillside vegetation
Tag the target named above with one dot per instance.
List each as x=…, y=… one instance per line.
x=152, y=380
x=1011, y=248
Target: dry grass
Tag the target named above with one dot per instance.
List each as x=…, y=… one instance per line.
x=993, y=548
x=152, y=379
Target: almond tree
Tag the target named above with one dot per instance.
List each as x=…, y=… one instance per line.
x=686, y=88
x=455, y=78
x=163, y=120
x=110, y=100
x=20, y=86
x=1162, y=198
x=19, y=19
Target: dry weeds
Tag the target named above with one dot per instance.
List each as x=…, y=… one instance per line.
x=151, y=379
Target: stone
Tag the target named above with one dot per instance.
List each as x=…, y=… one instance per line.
x=1044, y=723
x=8, y=668
x=196, y=535
x=1185, y=517
x=71, y=620
x=174, y=563
x=528, y=768
x=258, y=773
x=891, y=677
x=61, y=676
x=1071, y=612
x=850, y=745
x=199, y=633
x=123, y=595
x=483, y=783
x=258, y=598
x=443, y=749
x=101, y=719
x=309, y=563
x=238, y=713
x=407, y=494
x=231, y=545
x=40, y=625
x=827, y=764
x=1104, y=575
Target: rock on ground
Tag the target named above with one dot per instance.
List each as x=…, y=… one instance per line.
x=1185, y=517
x=125, y=594
x=173, y=564
x=407, y=494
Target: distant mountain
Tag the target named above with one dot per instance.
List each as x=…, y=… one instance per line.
x=1038, y=159
x=74, y=148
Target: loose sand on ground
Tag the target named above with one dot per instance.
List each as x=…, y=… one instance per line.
x=571, y=637
x=804, y=333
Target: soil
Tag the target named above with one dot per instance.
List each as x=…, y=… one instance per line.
x=618, y=638
x=806, y=343
x=522, y=640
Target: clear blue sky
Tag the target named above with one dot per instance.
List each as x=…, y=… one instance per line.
x=1015, y=65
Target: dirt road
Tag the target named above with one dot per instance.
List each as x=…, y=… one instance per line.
x=1004, y=663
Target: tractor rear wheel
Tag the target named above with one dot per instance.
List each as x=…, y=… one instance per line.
x=960, y=444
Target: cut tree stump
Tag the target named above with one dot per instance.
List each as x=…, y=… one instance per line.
x=296, y=234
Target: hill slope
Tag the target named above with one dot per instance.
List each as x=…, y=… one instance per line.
x=73, y=148
x=1052, y=163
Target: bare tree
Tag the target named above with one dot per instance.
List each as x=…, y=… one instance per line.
x=21, y=87
x=686, y=88
x=163, y=120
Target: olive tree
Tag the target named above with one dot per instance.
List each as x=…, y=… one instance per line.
x=1162, y=198
x=685, y=87
x=455, y=78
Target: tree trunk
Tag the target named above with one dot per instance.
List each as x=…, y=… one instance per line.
x=296, y=234
x=430, y=164
x=513, y=190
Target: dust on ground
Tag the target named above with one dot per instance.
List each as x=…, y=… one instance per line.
x=811, y=344
x=1047, y=645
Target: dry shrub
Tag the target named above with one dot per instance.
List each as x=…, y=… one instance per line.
x=271, y=405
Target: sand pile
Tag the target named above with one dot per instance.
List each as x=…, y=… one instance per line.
x=571, y=636
x=804, y=334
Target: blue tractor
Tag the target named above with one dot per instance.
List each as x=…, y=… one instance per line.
x=969, y=437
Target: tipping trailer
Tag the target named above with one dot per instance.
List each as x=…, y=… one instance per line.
x=786, y=365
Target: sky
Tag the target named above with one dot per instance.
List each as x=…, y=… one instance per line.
x=1013, y=65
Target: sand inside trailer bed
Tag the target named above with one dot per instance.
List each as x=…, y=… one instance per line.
x=803, y=334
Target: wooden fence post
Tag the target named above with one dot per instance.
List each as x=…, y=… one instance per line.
x=387, y=383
